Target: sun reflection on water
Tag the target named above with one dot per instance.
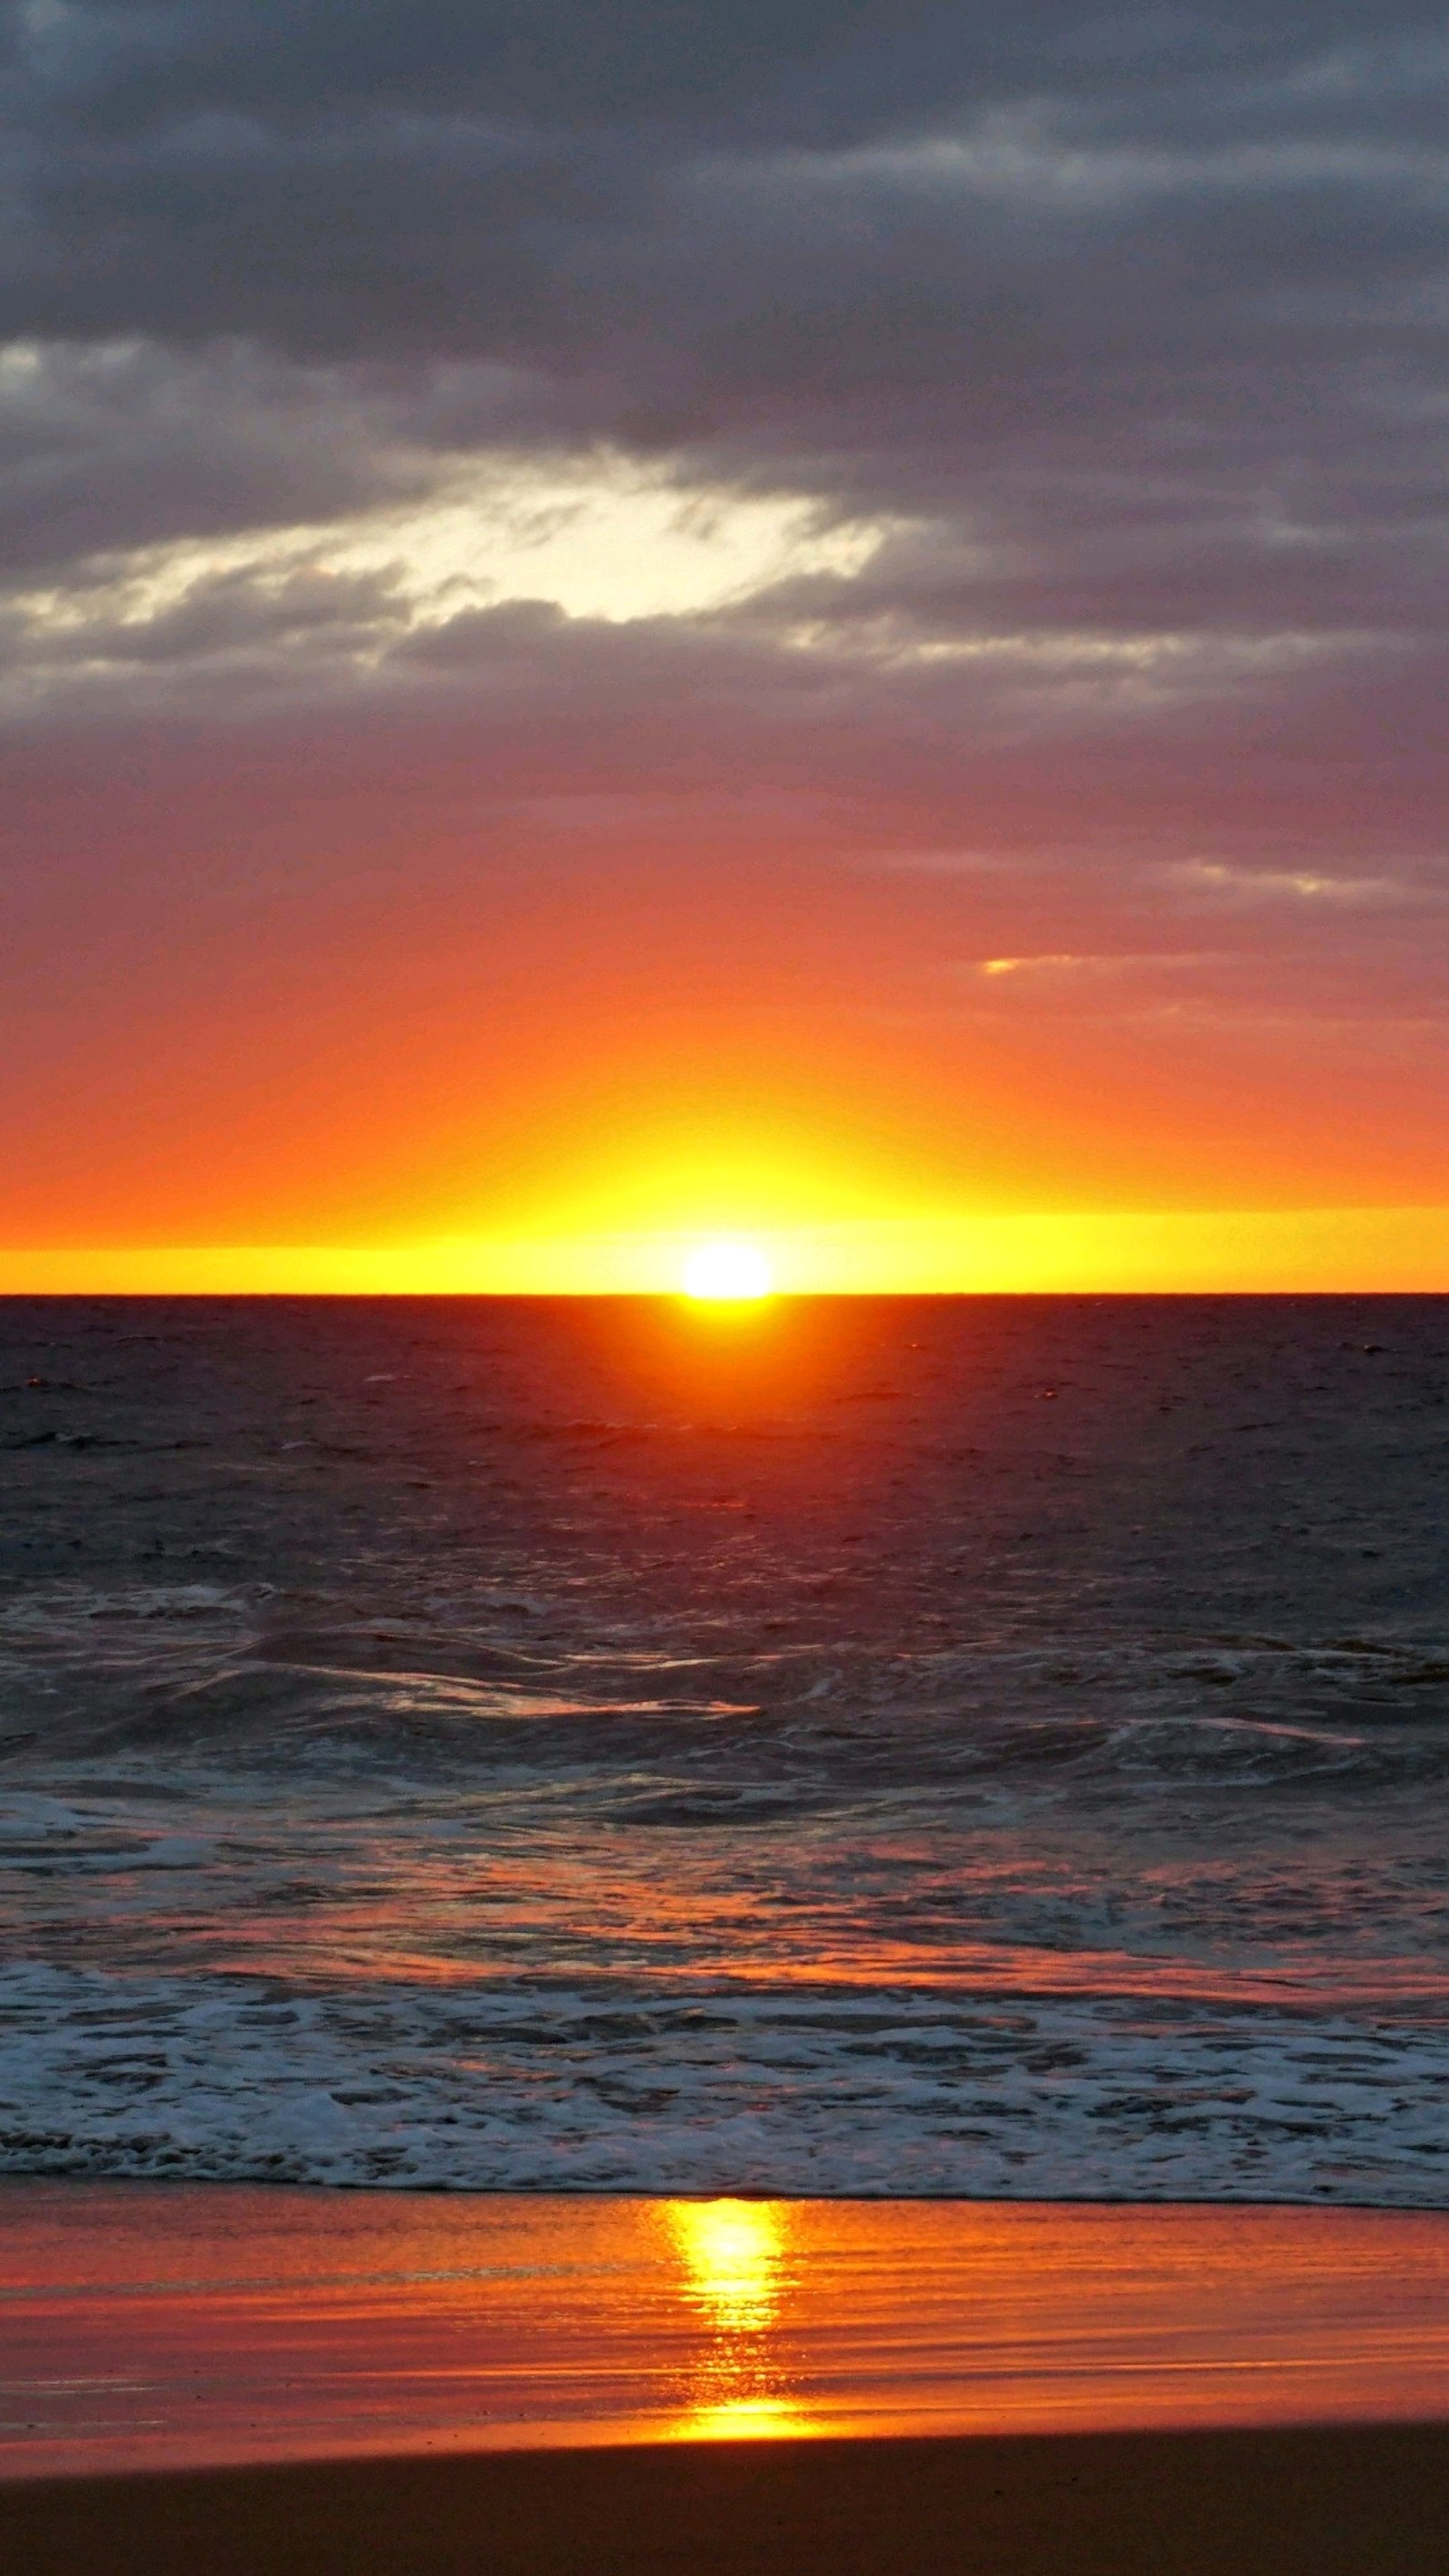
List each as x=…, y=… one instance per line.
x=733, y=2254
x=732, y=2250
x=747, y=2419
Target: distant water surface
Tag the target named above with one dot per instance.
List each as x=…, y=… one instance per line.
x=979, y=1746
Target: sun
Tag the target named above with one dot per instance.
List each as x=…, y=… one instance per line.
x=730, y=1270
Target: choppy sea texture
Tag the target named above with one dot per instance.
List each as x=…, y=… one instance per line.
x=967, y=1746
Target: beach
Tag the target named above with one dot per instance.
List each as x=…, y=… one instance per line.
x=202, y=2379
x=1351, y=2501
x=871, y=1910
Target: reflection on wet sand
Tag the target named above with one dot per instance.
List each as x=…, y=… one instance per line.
x=734, y=2254
x=732, y=2250
x=149, y=2324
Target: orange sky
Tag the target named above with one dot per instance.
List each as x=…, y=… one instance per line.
x=822, y=621
x=475, y=1086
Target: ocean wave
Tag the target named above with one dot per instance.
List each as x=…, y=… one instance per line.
x=488, y=1744
x=210, y=1675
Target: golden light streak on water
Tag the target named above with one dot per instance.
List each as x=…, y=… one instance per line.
x=733, y=2251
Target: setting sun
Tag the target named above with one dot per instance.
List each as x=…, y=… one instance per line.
x=732, y=1271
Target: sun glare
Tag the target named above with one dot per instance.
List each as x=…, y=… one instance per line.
x=727, y=1270
x=732, y=2250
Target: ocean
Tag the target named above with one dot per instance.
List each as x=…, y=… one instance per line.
x=960, y=1746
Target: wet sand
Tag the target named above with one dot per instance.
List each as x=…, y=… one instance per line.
x=1346, y=2501
x=208, y=2382
x=160, y=2327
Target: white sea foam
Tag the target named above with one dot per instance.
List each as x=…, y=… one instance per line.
x=495, y=2089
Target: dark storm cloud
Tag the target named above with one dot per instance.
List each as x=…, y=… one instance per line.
x=982, y=265
x=1122, y=330
x=812, y=68
x=127, y=443
x=359, y=179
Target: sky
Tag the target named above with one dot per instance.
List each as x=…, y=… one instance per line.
x=630, y=618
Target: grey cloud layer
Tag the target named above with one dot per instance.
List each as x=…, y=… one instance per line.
x=1159, y=260
x=1123, y=331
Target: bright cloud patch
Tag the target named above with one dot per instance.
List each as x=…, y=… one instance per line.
x=596, y=540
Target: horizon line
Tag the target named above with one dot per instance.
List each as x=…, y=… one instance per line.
x=1393, y=1251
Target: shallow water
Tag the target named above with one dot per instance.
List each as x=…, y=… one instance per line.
x=975, y=1746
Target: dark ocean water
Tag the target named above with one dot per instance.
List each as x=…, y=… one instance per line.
x=996, y=1746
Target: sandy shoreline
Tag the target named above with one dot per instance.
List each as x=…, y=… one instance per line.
x=1302, y=2501
x=159, y=2328
x=211, y=2382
